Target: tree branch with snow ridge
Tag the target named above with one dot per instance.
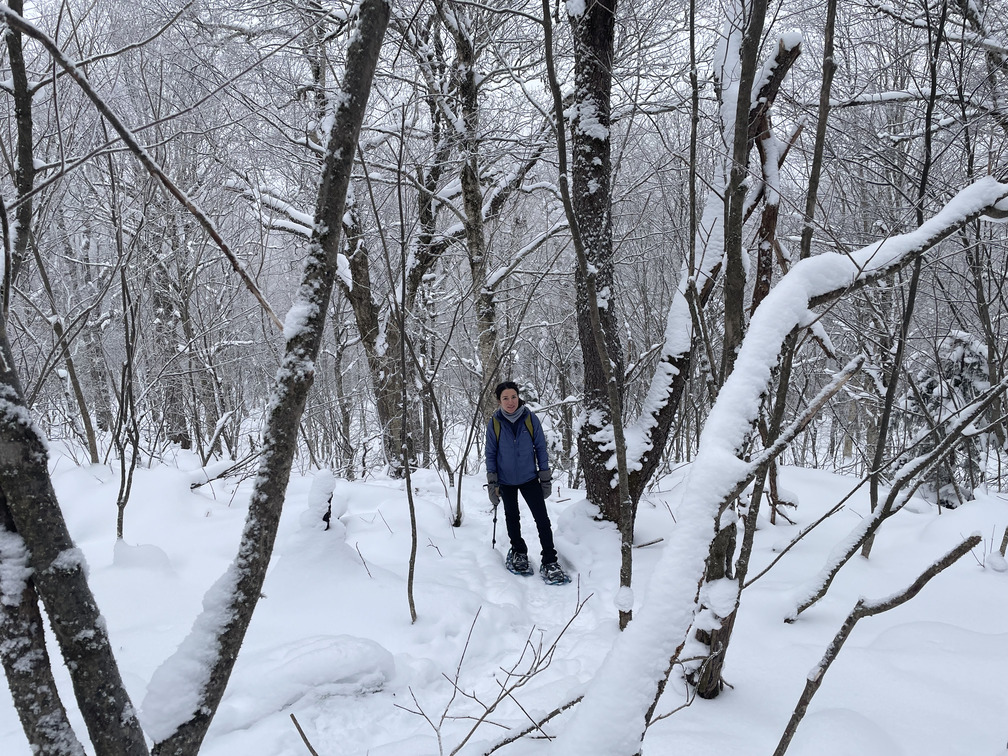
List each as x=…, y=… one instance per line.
x=610, y=721
x=864, y=608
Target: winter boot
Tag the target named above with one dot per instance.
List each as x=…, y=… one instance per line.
x=518, y=563
x=553, y=574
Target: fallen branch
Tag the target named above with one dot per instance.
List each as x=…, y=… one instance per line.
x=862, y=609
x=241, y=465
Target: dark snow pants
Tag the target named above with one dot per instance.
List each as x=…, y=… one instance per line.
x=532, y=493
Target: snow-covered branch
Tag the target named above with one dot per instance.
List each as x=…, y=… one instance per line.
x=611, y=719
x=205, y=660
x=905, y=483
x=864, y=608
x=646, y=433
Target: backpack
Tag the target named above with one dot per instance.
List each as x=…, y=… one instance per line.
x=528, y=424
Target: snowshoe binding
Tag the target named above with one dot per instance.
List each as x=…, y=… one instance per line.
x=518, y=563
x=553, y=574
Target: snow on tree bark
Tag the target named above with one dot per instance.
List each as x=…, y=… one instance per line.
x=591, y=169
x=59, y=573
x=304, y=330
x=24, y=654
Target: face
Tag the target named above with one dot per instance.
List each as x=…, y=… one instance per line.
x=509, y=400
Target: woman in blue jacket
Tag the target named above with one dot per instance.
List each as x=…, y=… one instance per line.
x=517, y=460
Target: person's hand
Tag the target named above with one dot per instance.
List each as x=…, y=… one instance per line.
x=546, y=481
x=492, y=490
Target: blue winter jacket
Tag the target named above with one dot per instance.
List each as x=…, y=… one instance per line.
x=514, y=457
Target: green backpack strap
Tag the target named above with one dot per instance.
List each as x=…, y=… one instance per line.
x=528, y=424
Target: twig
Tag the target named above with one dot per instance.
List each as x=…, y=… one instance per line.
x=363, y=560
x=531, y=728
x=304, y=737
x=689, y=698
x=648, y=543
x=421, y=712
x=801, y=534
x=540, y=662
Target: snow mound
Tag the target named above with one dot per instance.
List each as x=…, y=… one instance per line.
x=319, y=667
x=997, y=563
x=144, y=556
x=322, y=501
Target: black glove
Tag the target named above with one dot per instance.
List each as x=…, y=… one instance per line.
x=492, y=490
x=546, y=481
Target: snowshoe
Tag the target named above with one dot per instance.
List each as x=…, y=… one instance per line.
x=518, y=563
x=553, y=574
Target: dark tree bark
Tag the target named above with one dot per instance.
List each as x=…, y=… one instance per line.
x=25, y=656
x=737, y=192
x=24, y=175
x=591, y=174
x=593, y=31
x=59, y=573
x=305, y=329
x=720, y=562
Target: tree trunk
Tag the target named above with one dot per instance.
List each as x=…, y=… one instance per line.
x=980, y=275
x=24, y=169
x=305, y=328
x=591, y=173
x=467, y=88
x=59, y=574
x=746, y=129
x=25, y=656
x=380, y=336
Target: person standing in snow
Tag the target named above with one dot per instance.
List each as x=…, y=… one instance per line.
x=517, y=460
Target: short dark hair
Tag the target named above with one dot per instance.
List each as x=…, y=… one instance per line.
x=503, y=386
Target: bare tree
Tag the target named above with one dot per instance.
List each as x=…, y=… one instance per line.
x=58, y=569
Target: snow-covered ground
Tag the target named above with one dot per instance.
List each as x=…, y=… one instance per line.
x=332, y=643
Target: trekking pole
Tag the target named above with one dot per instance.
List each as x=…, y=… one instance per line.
x=493, y=542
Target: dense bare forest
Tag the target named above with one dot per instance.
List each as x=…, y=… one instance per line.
x=310, y=234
